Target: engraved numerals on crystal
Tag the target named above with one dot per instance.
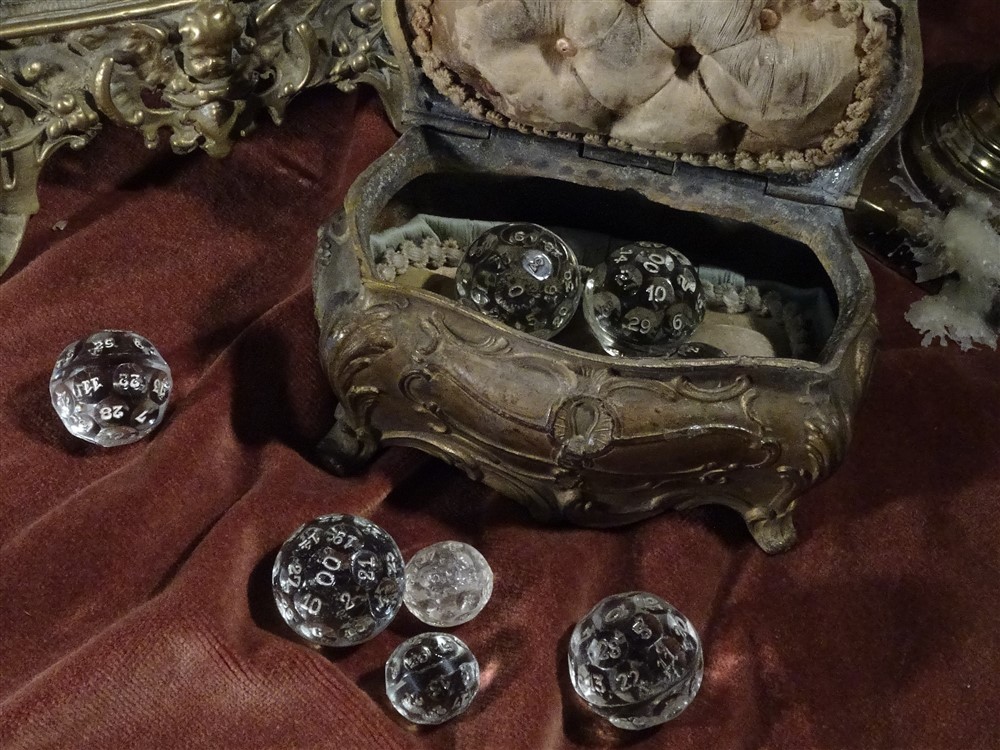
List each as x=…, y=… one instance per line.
x=524, y=276
x=338, y=580
x=431, y=678
x=635, y=660
x=644, y=300
x=447, y=584
x=111, y=388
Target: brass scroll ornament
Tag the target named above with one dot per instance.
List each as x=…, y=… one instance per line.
x=200, y=70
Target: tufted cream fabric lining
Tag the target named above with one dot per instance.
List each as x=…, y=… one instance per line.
x=759, y=85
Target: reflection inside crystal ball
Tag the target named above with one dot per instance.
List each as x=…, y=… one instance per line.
x=447, y=584
x=338, y=580
x=524, y=276
x=431, y=678
x=635, y=660
x=110, y=388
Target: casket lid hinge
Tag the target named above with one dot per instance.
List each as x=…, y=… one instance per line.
x=443, y=117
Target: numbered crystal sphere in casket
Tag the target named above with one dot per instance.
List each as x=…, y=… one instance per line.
x=635, y=660
x=524, y=276
x=110, y=388
x=644, y=300
x=338, y=580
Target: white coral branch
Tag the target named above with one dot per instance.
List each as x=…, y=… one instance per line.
x=968, y=244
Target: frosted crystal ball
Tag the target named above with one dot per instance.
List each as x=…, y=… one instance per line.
x=524, y=276
x=644, y=300
x=447, y=583
x=110, y=388
x=338, y=580
x=635, y=660
x=431, y=678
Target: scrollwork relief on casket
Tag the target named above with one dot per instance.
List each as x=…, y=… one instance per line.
x=569, y=440
x=200, y=71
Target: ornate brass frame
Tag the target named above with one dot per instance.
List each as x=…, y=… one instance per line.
x=201, y=70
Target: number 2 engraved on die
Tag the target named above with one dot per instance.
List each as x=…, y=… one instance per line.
x=627, y=680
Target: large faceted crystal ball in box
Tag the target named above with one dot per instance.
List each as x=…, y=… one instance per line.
x=644, y=300
x=110, y=388
x=338, y=580
x=524, y=276
x=635, y=660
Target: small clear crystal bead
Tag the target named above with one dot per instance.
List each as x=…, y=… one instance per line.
x=431, y=678
x=338, y=580
x=635, y=660
x=110, y=388
x=447, y=583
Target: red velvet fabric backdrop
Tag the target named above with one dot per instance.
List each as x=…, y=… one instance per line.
x=135, y=608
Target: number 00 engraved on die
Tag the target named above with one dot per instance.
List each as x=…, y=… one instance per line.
x=313, y=572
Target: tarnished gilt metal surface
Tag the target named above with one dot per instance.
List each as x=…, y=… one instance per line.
x=574, y=435
x=199, y=70
x=580, y=436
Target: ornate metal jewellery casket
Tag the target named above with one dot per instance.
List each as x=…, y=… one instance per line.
x=735, y=131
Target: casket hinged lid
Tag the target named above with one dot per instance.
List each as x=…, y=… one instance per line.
x=802, y=94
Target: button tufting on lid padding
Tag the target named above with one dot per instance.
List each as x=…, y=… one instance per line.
x=565, y=47
x=668, y=76
x=769, y=19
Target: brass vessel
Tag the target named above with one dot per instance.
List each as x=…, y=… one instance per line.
x=954, y=142
x=572, y=433
x=949, y=152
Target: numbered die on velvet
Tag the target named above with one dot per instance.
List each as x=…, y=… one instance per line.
x=524, y=276
x=447, y=584
x=635, y=660
x=431, y=678
x=110, y=388
x=338, y=580
x=644, y=300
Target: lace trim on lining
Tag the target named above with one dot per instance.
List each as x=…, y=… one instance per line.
x=873, y=66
